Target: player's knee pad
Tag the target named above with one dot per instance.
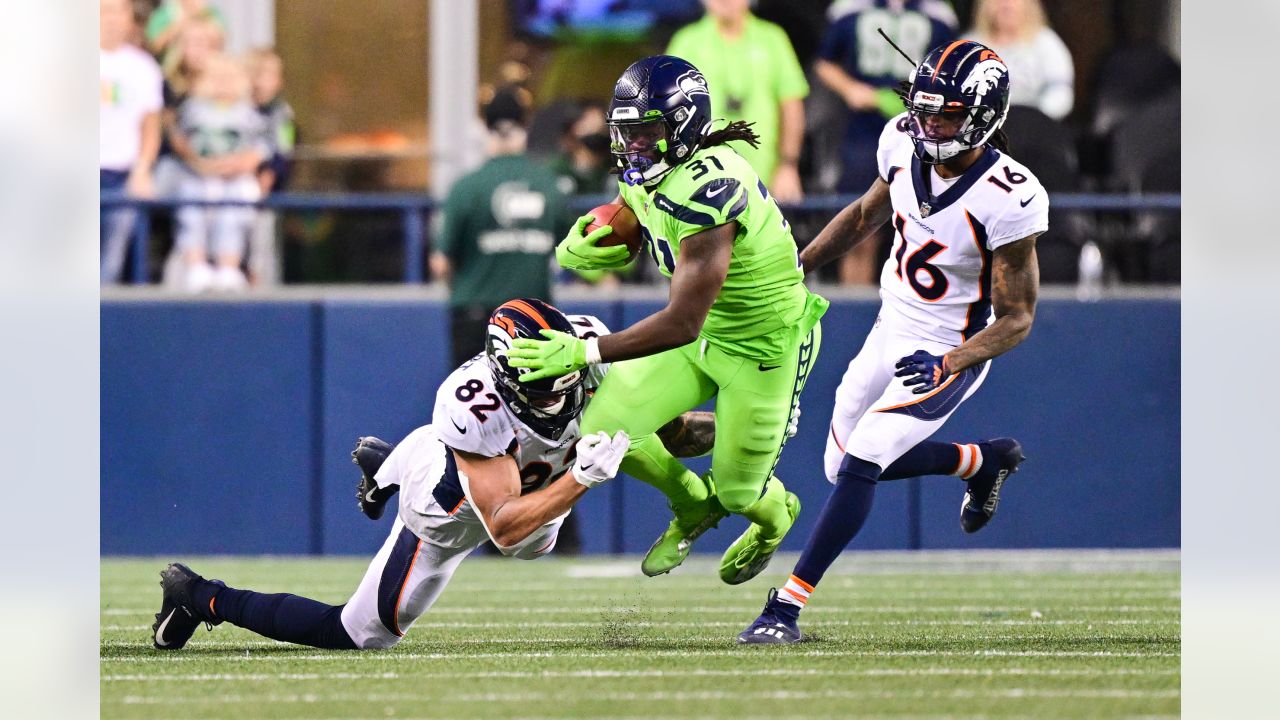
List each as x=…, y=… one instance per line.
x=736, y=500
x=855, y=469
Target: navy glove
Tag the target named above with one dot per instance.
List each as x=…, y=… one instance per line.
x=921, y=368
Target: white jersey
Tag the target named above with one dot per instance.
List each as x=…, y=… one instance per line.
x=937, y=279
x=129, y=89
x=471, y=417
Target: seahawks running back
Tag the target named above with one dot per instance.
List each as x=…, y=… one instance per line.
x=966, y=216
x=739, y=325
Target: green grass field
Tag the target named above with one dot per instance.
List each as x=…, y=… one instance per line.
x=1031, y=634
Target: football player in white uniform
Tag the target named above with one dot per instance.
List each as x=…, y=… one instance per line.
x=501, y=460
x=966, y=217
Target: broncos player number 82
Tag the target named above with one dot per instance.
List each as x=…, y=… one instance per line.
x=501, y=460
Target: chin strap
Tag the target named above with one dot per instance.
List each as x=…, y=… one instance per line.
x=649, y=176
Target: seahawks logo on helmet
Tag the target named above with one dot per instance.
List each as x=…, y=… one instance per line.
x=693, y=83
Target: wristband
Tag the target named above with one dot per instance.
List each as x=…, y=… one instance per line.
x=593, y=351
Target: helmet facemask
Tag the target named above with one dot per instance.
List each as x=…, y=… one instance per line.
x=941, y=132
x=547, y=406
x=640, y=149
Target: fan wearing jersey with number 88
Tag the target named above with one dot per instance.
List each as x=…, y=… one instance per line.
x=965, y=217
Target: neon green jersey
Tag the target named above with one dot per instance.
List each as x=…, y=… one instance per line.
x=763, y=302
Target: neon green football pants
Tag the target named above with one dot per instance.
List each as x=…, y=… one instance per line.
x=753, y=407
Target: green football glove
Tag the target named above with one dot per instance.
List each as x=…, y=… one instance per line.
x=579, y=252
x=560, y=354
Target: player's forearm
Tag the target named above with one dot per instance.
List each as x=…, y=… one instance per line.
x=663, y=330
x=149, y=147
x=1015, y=284
x=521, y=516
x=692, y=434
x=836, y=80
x=846, y=229
x=998, y=338
x=791, y=131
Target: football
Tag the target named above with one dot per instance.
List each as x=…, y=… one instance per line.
x=626, y=228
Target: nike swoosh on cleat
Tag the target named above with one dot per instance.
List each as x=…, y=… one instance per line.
x=1026, y=202
x=160, y=630
x=368, y=497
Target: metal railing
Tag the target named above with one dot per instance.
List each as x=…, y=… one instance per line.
x=414, y=210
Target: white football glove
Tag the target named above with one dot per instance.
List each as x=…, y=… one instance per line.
x=793, y=425
x=599, y=457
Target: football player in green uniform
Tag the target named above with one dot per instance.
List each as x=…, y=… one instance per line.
x=739, y=324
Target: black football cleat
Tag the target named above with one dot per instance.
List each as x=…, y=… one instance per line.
x=178, y=617
x=369, y=455
x=983, y=494
x=771, y=628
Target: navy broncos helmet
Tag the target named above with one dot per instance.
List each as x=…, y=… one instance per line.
x=660, y=111
x=959, y=97
x=548, y=405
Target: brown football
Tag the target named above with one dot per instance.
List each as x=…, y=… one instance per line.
x=626, y=228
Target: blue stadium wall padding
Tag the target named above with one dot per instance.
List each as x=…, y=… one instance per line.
x=206, y=428
x=227, y=428
x=382, y=364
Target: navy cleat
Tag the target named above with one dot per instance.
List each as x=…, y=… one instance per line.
x=983, y=494
x=369, y=455
x=772, y=627
x=179, y=615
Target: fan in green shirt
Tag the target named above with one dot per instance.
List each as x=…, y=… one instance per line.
x=753, y=75
x=739, y=325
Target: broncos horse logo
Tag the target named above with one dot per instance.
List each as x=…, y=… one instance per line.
x=984, y=77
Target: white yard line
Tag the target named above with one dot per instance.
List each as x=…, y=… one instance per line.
x=755, y=608
x=423, y=625
x=628, y=652
x=634, y=674
x=686, y=696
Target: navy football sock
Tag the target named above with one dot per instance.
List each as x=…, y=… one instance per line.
x=279, y=616
x=841, y=519
x=927, y=458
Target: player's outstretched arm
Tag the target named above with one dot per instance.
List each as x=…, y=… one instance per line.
x=493, y=487
x=849, y=227
x=1015, y=283
x=695, y=284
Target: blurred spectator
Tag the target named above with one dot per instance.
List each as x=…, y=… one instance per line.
x=862, y=69
x=221, y=142
x=501, y=223
x=1040, y=68
x=754, y=76
x=199, y=40
x=170, y=20
x=266, y=73
x=129, y=103
x=584, y=160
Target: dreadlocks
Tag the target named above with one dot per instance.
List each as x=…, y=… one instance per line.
x=736, y=130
